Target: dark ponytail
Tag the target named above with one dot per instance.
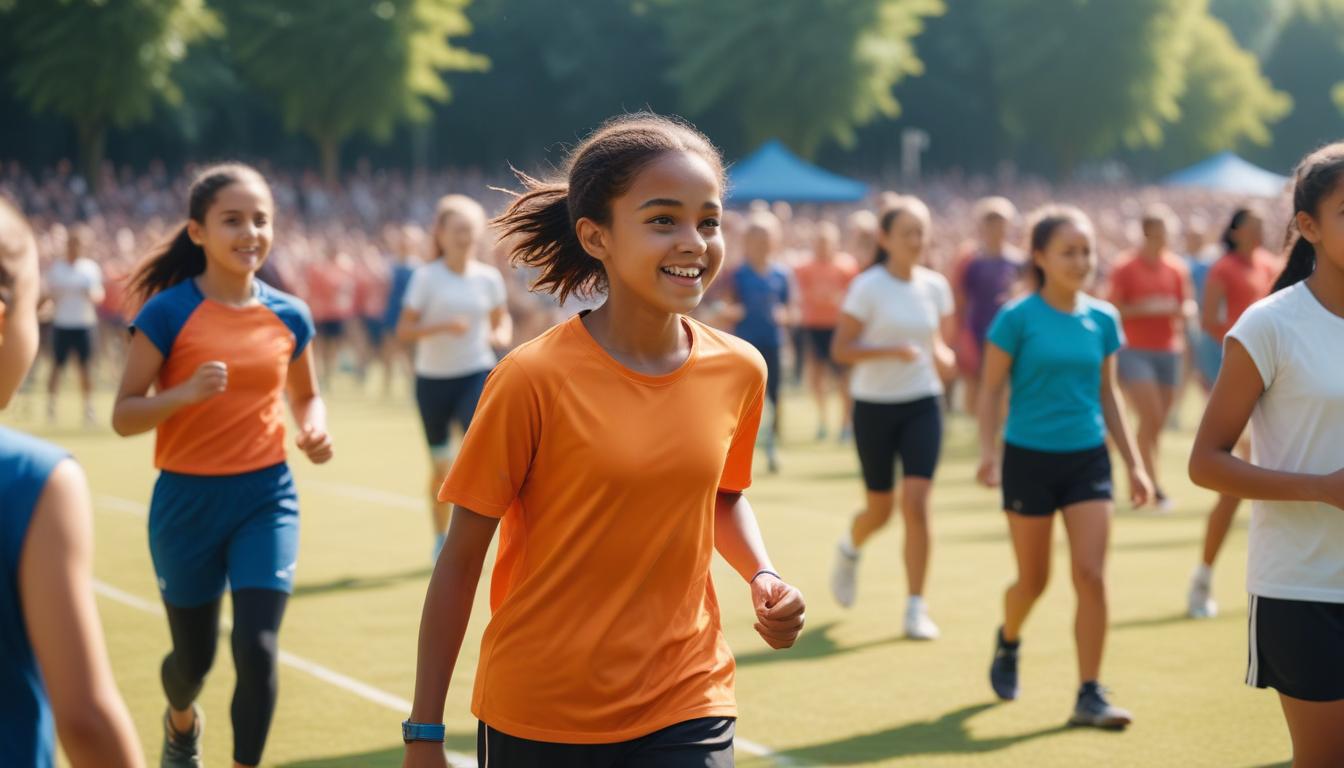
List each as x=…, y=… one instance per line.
x=1239, y=217
x=1317, y=176
x=541, y=220
x=178, y=259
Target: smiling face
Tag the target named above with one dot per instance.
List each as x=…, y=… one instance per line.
x=1067, y=258
x=663, y=245
x=237, y=230
x=1324, y=229
x=905, y=239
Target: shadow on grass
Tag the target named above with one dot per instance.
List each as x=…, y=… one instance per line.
x=349, y=583
x=814, y=643
x=462, y=743
x=1149, y=622
x=948, y=735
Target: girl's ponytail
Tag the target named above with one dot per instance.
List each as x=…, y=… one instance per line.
x=1301, y=260
x=171, y=262
x=542, y=235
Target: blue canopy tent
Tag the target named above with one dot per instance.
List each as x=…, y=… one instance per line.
x=1225, y=172
x=774, y=173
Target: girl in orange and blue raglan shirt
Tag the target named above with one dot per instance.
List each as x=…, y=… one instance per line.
x=223, y=351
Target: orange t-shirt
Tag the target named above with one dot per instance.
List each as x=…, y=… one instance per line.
x=821, y=289
x=1244, y=283
x=605, y=625
x=242, y=428
x=1135, y=281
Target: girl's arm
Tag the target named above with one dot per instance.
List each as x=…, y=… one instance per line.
x=501, y=327
x=136, y=410
x=443, y=622
x=1213, y=305
x=737, y=536
x=994, y=372
x=846, y=349
x=56, y=584
x=944, y=358
x=1213, y=465
x=310, y=412
x=409, y=328
x=1140, y=486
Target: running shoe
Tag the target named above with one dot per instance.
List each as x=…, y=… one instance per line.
x=182, y=750
x=1003, y=669
x=918, y=625
x=1200, y=603
x=844, y=575
x=1094, y=710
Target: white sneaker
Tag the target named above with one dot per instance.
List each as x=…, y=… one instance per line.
x=918, y=625
x=1200, y=602
x=844, y=576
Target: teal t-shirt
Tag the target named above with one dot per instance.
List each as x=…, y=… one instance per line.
x=1055, y=404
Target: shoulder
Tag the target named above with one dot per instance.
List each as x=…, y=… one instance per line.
x=180, y=299
x=1020, y=306
x=1101, y=309
x=285, y=305
x=1176, y=264
x=1280, y=305
x=931, y=277
x=724, y=347
x=867, y=278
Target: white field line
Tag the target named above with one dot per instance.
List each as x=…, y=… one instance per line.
x=363, y=690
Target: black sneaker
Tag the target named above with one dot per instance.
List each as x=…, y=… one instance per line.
x=1003, y=670
x=1094, y=710
x=182, y=750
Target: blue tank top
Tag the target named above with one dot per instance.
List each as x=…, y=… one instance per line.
x=27, y=736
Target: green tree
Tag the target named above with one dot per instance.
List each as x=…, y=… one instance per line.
x=805, y=71
x=1306, y=63
x=1228, y=103
x=1255, y=24
x=1084, y=78
x=336, y=68
x=100, y=64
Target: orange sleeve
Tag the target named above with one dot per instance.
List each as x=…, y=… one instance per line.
x=498, y=448
x=737, y=469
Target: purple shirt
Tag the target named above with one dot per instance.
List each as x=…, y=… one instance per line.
x=987, y=285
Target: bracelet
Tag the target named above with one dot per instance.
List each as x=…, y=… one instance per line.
x=764, y=570
x=421, y=731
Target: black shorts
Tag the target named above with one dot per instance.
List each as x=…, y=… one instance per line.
x=819, y=343
x=1037, y=483
x=68, y=341
x=1297, y=648
x=883, y=432
x=703, y=743
x=330, y=329
x=445, y=401
x=772, y=373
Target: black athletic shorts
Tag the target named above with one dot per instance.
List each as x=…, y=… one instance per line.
x=883, y=432
x=703, y=743
x=819, y=342
x=1297, y=648
x=1037, y=483
x=72, y=341
x=330, y=329
x=445, y=401
x=772, y=373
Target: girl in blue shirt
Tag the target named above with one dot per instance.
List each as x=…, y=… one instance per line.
x=1057, y=347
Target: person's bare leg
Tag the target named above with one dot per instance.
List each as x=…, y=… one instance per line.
x=1089, y=526
x=1318, y=739
x=915, y=493
x=1031, y=548
x=873, y=518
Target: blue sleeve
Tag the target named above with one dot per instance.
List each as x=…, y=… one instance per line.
x=294, y=313
x=1112, y=334
x=25, y=465
x=1006, y=330
x=163, y=316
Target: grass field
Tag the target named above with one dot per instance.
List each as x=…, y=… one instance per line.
x=851, y=693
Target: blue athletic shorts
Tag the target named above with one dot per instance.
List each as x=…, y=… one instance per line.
x=209, y=531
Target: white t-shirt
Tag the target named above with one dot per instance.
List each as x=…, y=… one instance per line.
x=439, y=295
x=1296, y=548
x=69, y=286
x=895, y=312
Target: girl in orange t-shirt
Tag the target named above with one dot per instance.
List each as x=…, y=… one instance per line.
x=612, y=452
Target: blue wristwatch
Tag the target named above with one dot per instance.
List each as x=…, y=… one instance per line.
x=421, y=731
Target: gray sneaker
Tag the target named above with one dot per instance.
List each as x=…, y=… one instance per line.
x=182, y=750
x=1096, y=711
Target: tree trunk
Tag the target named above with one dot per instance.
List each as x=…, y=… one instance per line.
x=329, y=147
x=92, y=147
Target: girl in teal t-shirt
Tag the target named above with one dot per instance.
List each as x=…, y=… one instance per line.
x=1057, y=348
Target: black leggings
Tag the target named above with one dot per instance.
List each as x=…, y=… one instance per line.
x=256, y=629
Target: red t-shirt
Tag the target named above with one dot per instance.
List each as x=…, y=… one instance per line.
x=1244, y=282
x=1139, y=281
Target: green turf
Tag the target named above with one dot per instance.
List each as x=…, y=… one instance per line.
x=852, y=692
